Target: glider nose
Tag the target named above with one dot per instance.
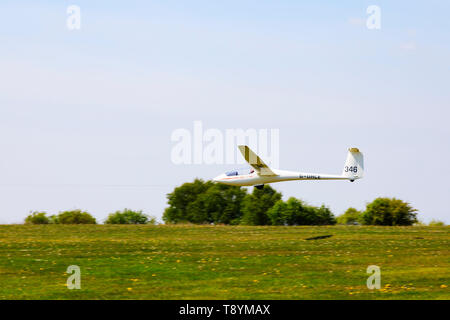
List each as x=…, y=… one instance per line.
x=218, y=178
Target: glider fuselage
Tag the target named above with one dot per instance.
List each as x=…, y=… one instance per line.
x=281, y=175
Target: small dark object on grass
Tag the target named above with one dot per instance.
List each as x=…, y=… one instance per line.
x=418, y=238
x=320, y=237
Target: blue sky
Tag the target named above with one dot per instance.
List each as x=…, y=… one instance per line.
x=86, y=116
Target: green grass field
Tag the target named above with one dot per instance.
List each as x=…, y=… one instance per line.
x=223, y=262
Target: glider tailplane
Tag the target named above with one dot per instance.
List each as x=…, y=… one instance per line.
x=354, y=165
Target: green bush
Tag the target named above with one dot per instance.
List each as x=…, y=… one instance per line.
x=204, y=202
x=389, y=212
x=350, y=216
x=152, y=220
x=180, y=199
x=54, y=219
x=436, y=223
x=256, y=205
x=128, y=216
x=219, y=204
x=75, y=217
x=296, y=212
x=324, y=216
x=37, y=218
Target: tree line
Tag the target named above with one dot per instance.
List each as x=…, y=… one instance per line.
x=206, y=202
x=203, y=202
x=77, y=216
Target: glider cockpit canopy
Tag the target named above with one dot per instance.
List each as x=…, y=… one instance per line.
x=239, y=172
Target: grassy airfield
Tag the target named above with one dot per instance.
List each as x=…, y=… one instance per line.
x=223, y=262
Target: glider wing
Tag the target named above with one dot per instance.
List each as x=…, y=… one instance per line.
x=255, y=161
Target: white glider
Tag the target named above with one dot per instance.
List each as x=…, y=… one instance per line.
x=261, y=174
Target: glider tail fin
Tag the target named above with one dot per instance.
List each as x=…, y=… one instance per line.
x=354, y=165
